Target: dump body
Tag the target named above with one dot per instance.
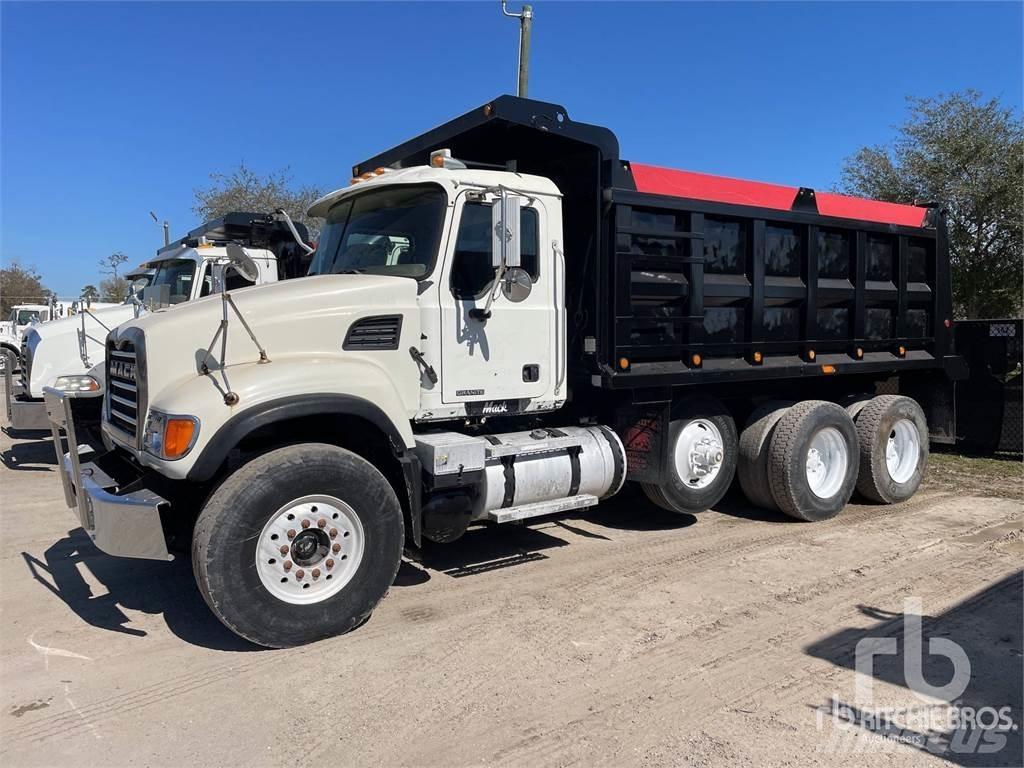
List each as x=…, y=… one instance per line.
x=760, y=281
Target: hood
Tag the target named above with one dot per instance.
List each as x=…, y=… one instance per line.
x=302, y=319
x=54, y=350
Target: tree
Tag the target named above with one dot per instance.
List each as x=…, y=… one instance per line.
x=112, y=263
x=113, y=288
x=966, y=154
x=20, y=285
x=89, y=292
x=244, y=190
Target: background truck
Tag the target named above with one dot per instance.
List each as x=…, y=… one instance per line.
x=64, y=353
x=504, y=319
x=20, y=318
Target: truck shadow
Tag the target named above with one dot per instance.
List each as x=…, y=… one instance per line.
x=37, y=456
x=153, y=587
x=986, y=626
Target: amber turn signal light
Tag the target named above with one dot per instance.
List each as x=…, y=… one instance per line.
x=178, y=436
x=901, y=351
x=758, y=358
x=858, y=353
x=828, y=369
x=811, y=355
x=696, y=361
x=624, y=363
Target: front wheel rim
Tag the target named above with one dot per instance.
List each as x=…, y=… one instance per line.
x=828, y=458
x=310, y=549
x=902, y=450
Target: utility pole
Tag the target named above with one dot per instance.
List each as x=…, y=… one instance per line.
x=525, y=17
x=167, y=228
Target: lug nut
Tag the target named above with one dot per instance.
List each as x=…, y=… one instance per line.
x=321, y=523
x=300, y=575
x=284, y=549
x=305, y=523
x=316, y=573
x=291, y=534
x=287, y=565
x=334, y=533
x=336, y=548
x=329, y=564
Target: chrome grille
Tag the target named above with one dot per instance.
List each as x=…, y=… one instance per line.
x=122, y=388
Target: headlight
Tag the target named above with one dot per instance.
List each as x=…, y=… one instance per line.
x=76, y=384
x=169, y=437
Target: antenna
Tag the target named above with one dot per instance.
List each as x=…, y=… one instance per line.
x=167, y=228
x=525, y=17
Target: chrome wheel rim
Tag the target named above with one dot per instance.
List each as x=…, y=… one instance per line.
x=902, y=450
x=309, y=549
x=828, y=457
x=699, y=453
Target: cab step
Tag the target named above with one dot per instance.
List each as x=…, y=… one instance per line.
x=550, y=507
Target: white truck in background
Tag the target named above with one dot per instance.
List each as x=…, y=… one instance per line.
x=65, y=353
x=21, y=317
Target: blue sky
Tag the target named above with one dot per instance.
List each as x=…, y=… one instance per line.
x=110, y=110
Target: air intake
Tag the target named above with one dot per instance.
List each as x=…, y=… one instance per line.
x=380, y=332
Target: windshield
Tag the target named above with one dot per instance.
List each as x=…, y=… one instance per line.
x=26, y=316
x=175, y=277
x=390, y=231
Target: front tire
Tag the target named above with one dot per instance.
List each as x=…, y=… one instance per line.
x=299, y=544
x=702, y=445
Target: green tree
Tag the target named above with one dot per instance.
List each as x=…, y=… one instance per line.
x=245, y=190
x=967, y=154
x=89, y=292
x=113, y=289
x=20, y=285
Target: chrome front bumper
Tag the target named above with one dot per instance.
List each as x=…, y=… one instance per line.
x=122, y=524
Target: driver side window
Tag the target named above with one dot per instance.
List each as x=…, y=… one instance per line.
x=472, y=273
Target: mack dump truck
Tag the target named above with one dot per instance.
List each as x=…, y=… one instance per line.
x=504, y=319
x=63, y=354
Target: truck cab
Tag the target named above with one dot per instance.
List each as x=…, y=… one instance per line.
x=440, y=367
x=11, y=329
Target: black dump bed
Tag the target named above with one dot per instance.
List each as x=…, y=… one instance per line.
x=677, y=278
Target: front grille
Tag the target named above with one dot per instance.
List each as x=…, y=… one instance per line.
x=122, y=388
x=25, y=363
x=377, y=332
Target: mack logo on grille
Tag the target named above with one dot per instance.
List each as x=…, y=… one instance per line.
x=122, y=370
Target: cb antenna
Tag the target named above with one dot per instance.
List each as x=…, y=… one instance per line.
x=525, y=17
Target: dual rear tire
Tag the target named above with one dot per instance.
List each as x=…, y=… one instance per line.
x=804, y=459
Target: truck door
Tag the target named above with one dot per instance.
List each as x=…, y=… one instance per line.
x=508, y=356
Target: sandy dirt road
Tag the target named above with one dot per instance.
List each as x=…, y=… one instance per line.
x=623, y=636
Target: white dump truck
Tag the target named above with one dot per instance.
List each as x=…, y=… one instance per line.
x=504, y=320
x=20, y=318
x=63, y=354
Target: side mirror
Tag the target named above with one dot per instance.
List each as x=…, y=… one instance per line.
x=505, y=229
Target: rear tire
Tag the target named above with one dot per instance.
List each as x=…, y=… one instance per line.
x=813, y=460
x=706, y=426
x=892, y=433
x=755, y=440
x=8, y=360
x=277, y=501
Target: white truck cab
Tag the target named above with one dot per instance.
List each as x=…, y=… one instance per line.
x=64, y=354
x=20, y=318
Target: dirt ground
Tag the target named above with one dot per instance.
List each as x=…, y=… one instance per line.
x=620, y=636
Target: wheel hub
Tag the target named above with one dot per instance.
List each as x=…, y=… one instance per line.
x=826, y=463
x=309, y=549
x=902, y=450
x=699, y=453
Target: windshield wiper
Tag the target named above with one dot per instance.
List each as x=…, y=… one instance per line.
x=352, y=271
